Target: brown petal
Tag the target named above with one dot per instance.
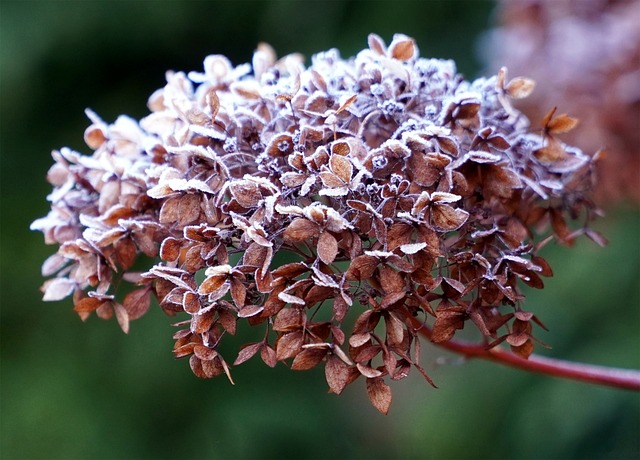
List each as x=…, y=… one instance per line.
x=402, y=48
x=202, y=323
x=246, y=193
x=357, y=340
x=337, y=374
x=365, y=353
x=288, y=319
x=561, y=124
x=191, y=302
x=398, y=235
x=268, y=355
x=531, y=279
x=86, y=305
x=543, y=264
x=340, y=308
x=211, y=284
x=250, y=310
x=327, y=247
x=524, y=350
x=110, y=237
x=342, y=167
x=94, y=136
x=391, y=280
x=362, y=268
x=446, y=218
x=246, y=352
x=255, y=255
x=105, y=310
x=289, y=345
x=137, y=302
x=181, y=210
x=338, y=335
x=368, y=371
x=551, y=153
x=520, y=87
x=447, y=322
x=501, y=181
x=122, y=316
x=238, y=292
x=213, y=101
x=447, y=145
x=376, y=44
x=391, y=299
x=204, y=353
x=293, y=179
x=308, y=358
x=379, y=394
x=290, y=271
x=395, y=330
x=126, y=252
x=273, y=304
x=228, y=321
x=280, y=145
x=301, y=229
x=193, y=260
x=331, y=180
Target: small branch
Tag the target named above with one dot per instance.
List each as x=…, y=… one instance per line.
x=601, y=375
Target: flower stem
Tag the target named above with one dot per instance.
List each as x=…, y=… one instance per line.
x=601, y=375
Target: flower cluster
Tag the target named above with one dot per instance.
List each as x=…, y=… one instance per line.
x=332, y=206
x=585, y=54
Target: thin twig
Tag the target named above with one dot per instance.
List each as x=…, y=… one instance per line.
x=622, y=378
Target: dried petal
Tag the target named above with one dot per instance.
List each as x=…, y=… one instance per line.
x=246, y=352
x=342, y=167
x=301, y=229
x=250, y=310
x=308, y=358
x=289, y=345
x=368, y=371
x=446, y=218
x=268, y=355
x=137, y=302
x=362, y=267
x=520, y=87
x=122, y=316
x=379, y=394
x=327, y=247
x=337, y=374
x=246, y=193
x=402, y=48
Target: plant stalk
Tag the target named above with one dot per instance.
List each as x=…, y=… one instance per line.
x=600, y=375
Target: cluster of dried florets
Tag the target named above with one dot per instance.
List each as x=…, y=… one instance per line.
x=586, y=56
x=331, y=206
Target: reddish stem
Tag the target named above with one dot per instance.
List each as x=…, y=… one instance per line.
x=602, y=375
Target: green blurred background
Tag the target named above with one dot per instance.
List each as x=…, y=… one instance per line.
x=86, y=391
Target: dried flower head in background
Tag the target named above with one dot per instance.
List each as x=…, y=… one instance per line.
x=328, y=206
x=585, y=55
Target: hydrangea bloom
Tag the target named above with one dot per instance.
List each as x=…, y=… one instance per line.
x=332, y=206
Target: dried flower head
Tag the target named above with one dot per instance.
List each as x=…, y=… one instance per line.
x=331, y=206
x=586, y=56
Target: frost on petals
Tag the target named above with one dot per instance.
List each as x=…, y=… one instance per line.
x=327, y=206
